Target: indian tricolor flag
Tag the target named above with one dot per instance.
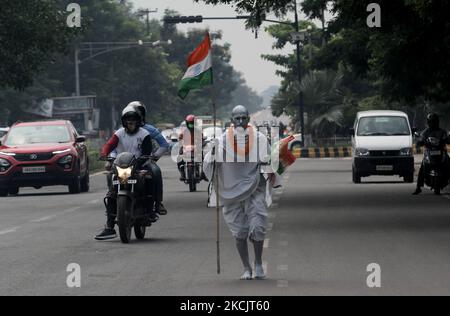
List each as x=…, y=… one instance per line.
x=199, y=73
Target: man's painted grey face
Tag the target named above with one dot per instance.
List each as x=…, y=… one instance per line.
x=241, y=121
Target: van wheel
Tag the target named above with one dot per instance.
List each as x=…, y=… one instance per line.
x=356, y=177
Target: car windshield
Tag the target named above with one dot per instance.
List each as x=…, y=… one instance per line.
x=39, y=134
x=383, y=126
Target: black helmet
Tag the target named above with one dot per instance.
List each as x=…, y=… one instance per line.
x=141, y=108
x=131, y=112
x=433, y=120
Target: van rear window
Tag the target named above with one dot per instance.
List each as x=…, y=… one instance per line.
x=383, y=126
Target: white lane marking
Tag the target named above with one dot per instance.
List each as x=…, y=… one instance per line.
x=282, y=283
x=71, y=210
x=282, y=267
x=10, y=230
x=270, y=227
x=272, y=215
x=43, y=219
x=46, y=218
x=266, y=243
x=94, y=201
x=274, y=205
x=98, y=173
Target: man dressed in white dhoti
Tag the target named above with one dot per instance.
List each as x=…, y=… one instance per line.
x=240, y=155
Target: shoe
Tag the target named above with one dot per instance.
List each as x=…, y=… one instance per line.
x=153, y=217
x=160, y=209
x=106, y=234
x=418, y=191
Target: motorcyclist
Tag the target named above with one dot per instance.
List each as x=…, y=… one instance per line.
x=188, y=138
x=164, y=147
x=435, y=131
x=130, y=138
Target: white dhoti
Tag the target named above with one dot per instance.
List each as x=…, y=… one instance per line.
x=248, y=219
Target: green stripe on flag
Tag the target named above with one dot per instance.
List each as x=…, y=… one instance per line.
x=198, y=82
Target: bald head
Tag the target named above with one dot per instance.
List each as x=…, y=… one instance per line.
x=240, y=116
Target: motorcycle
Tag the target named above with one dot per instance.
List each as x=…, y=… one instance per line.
x=130, y=181
x=192, y=168
x=436, y=164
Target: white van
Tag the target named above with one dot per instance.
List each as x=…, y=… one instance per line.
x=382, y=145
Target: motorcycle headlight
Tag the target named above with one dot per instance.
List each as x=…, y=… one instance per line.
x=124, y=173
x=362, y=152
x=406, y=151
x=4, y=165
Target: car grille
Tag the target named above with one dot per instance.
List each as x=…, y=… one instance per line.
x=33, y=157
x=385, y=153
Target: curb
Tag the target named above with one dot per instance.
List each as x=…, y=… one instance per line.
x=336, y=152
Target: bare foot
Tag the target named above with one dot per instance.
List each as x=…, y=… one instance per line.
x=259, y=272
x=247, y=275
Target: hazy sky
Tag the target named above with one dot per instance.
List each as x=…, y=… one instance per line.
x=246, y=50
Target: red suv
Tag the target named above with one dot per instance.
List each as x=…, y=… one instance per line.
x=38, y=154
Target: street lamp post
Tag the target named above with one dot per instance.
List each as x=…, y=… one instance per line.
x=299, y=77
x=95, y=49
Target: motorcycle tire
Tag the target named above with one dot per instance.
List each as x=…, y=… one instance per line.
x=123, y=219
x=139, y=232
x=191, y=179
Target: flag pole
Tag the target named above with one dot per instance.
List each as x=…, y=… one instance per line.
x=216, y=173
x=216, y=178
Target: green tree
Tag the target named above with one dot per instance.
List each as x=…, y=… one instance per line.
x=32, y=34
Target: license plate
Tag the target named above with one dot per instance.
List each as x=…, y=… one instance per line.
x=435, y=153
x=33, y=169
x=385, y=168
x=117, y=182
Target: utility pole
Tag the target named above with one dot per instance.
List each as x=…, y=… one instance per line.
x=146, y=12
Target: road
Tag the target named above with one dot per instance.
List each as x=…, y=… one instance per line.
x=324, y=233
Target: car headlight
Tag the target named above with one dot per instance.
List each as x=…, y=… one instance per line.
x=7, y=154
x=61, y=151
x=4, y=165
x=361, y=152
x=124, y=174
x=406, y=151
x=66, y=161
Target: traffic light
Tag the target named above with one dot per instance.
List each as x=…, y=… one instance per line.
x=183, y=19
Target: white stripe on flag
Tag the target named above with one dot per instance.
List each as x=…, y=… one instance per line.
x=199, y=68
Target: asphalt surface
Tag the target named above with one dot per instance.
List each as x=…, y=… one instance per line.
x=324, y=233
